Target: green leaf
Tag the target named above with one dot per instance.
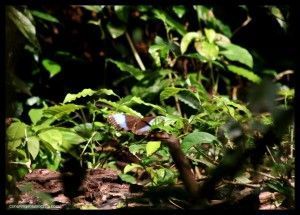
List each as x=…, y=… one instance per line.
x=61, y=110
x=12, y=145
x=158, y=51
x=168, y=92
x=35, y=115
x=44, y=16
x=128, y=178
x=33, y=146
x=190, y=99
x=16, y=131
x=71, y=97
x=236, y=53
x=130, y=167
x=116, y=30
x=169, y=21
x=187, y=39
x=210, y=34
x=87, y=92
x=24, y=24
x=180, y=10
x=69, y=139
x=94, y=8
x=122, y=12
x=121, y=107
x=251, y=76
x=196, y=138
x=208, y=50
x=53, y=139
x=135, y=72
x=52, y=67
x=152, y=147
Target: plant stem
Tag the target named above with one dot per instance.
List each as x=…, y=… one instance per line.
x=135, y=53
x=175, y=97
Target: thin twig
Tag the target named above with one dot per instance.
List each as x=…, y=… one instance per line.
x=135, y=53
x=175, y=97
x=269, y=151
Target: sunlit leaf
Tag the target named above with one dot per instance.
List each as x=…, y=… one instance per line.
x=236, y=53
x=251, y=76
x=130, y=167
x=187, y=39
x=52, y=67
x=208, y=50
x=16, y=130
x=180, y=10
x=124, y=67
x=44, y=16
x=168, y=92
x=152, y=147
x=210, y=35
x=87, y=92
x=128, y=178
x=169, y=21
x=94, y=8
x=24, y=25
x=197, y=138
x=52, y=137
x=33, y=146
x=35, y=115
x=116, y=30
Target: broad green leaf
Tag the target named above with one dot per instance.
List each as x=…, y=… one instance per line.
x=33, y=146
x=122, y=12
x=187, y=39
x=168, y=92
x=69, y=139
x=86, y=92
x=116, y=30
x=24, y=24
x=135, y=72
x=13, y=144
x=236, y=53
x=190, y=99
x=251, y=76
x=60, y=110
x=35, y=115
x=159, y=51
x=136, y=148
x=16, y=131
x=121, y=107
x=152, y=147
x=210, y=34
x=169, y=21
x=94, y=8
x=130, y=167
x=196, y=138
x=44, y=16
x=180, y=10
x=52, y=67
x=206, y=15
x=52, y=137
x=128, y=178
x=208, y=50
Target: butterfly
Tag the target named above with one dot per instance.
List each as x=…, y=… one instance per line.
x=138, y=126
